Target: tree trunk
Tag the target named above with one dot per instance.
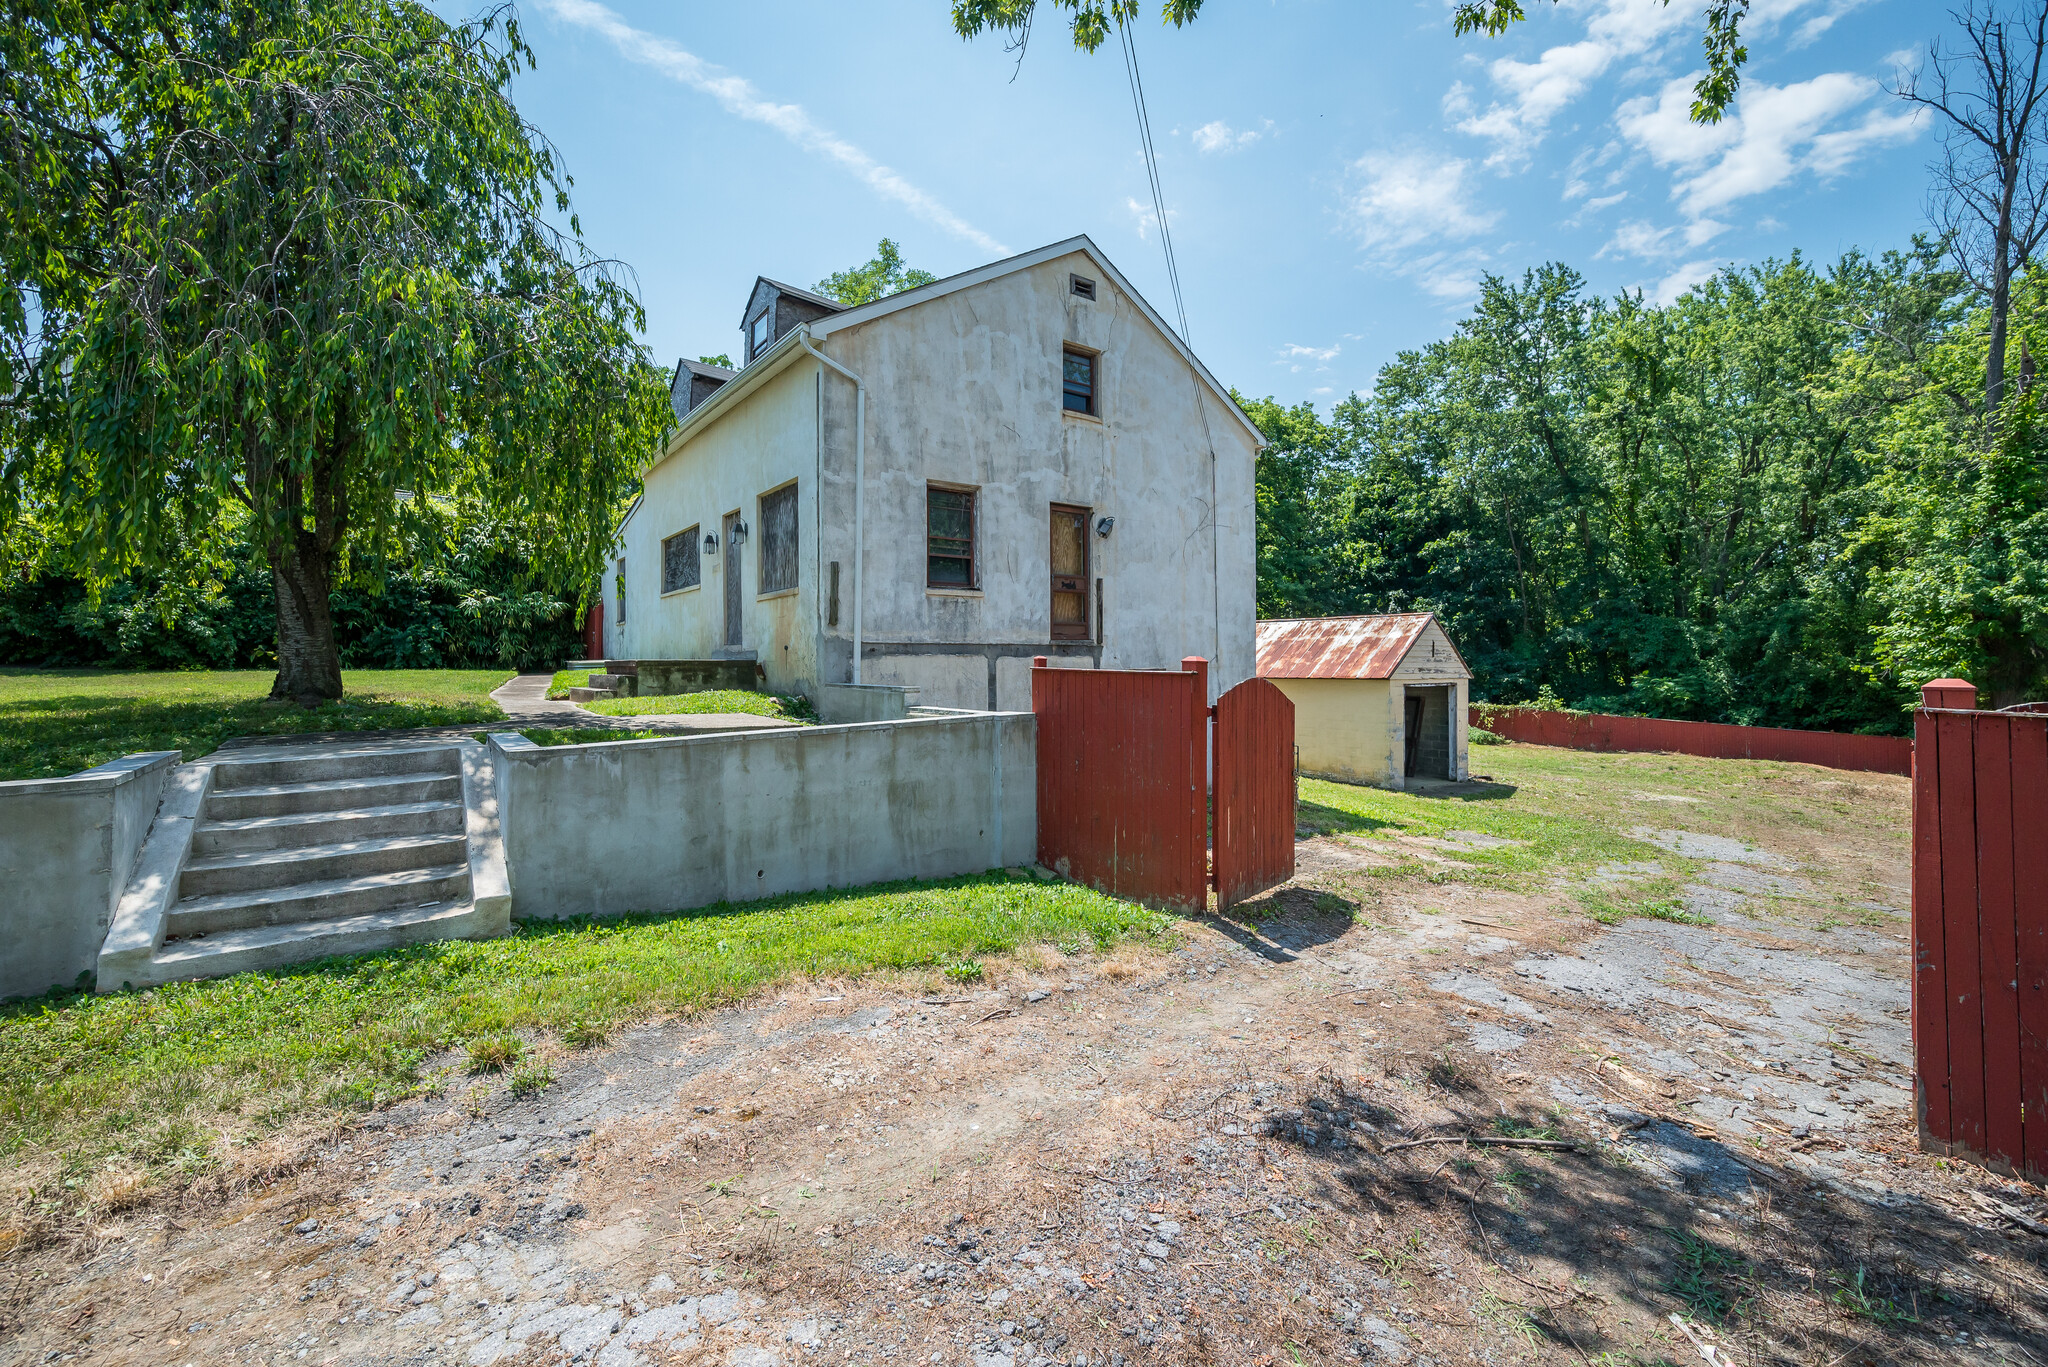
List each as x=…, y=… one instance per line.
x=308, y=662
x=2001, y=305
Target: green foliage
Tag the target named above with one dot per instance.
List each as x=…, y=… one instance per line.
x=566, y=679
x=170, y=1079
x=1625, y=507
x=462, y=597
x=1957, y=537
x=306, y=264
x=879, y=278
x=721, y=360
x=1094, y=20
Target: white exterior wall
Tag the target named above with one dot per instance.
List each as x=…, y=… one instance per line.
x=965, y=390
x=1433, y=660
x=759, y=445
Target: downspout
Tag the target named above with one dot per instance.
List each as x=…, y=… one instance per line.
x=860, y=454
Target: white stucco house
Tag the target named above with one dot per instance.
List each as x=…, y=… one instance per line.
x=931, y=489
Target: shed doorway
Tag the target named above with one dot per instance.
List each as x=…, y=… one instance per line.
x=1427, y=731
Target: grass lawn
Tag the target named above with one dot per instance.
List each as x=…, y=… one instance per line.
x=1567, y=815
x=179, y=1080
x=55, y=722
x=710, y=700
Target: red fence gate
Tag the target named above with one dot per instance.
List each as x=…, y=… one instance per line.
x=1122, y=755
x=1980, y=930
x=1253, y=808
x=1123, y=778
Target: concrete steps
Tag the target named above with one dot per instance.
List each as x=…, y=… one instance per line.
x=277, y=855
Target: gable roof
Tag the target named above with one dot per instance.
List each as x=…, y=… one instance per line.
x=699, y=369
x=844, y=317
x=830, y=305
x=1367, y=647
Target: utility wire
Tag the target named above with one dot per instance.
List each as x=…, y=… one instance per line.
x=1152, y=174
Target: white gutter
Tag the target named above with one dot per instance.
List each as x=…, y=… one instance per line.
x=860, y=452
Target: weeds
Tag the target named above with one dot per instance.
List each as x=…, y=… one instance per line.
x=494, y=1053
x=530, y=1077
x=1860, y=1299
x=965, y=970
x=1707, y=1278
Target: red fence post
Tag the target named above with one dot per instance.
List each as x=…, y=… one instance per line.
x=1930, y=946
x=1198, y=743
x=2030, y=917
x=1997, y=948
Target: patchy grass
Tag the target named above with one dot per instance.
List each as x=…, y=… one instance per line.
x=55, y=722
x=184, y=1078
x=566, y=679
x=710, y=700
x=1572, y=818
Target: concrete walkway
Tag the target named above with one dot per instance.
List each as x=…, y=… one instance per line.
x=526, y=703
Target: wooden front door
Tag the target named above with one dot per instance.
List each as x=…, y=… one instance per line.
x=733, y=639
x=1069, y=573
x=1411, y=729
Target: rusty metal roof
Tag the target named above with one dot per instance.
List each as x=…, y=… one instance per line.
x=1369, y=647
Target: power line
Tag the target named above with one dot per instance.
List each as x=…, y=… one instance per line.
x=1152, y=174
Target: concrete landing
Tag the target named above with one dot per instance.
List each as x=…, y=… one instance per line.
x=526, y=703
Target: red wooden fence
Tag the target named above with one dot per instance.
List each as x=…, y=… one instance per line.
x=1253, y=810
x=1595, y=731
x=1980, y=930
x=1122, y=777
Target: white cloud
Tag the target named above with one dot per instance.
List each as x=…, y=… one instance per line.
x=1668, y=289
x=1606, y=201
x=1296, y=356
x=1144, y=219
x=1408, y=198
x=1776, y=134
x=1218, y=136
x=741, y=99
x=1638, y=238
x=1531, y=94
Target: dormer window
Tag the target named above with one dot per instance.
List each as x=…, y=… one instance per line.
x=757, y=340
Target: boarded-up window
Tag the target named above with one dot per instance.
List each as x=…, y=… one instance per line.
x=778, y=540
x=679, y=563
x=949, y=538
x=1069, y=573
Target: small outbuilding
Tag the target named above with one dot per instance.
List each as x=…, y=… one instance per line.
x=1378, y=699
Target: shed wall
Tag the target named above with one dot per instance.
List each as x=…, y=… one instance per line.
x=1346, y=729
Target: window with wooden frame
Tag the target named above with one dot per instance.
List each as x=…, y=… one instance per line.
x=949, y=538
x=778, y=540
x=1069, y=572
x=1077, y=381
x=680, y=566
x=757, y=336
x=619, y=591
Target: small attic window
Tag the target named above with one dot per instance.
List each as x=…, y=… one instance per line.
x=1081, y=285
x=757, y=339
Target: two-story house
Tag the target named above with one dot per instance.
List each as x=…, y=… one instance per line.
x=933, y=488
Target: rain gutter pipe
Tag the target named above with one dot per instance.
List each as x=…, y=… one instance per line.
x=860, y=453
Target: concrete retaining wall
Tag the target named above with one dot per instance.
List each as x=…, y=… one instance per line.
x=687, y=821
x=843, y=703
x=67, y=846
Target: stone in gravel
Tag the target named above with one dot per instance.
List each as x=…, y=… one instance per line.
x=306, y=1227
x=1036, y=996
x=1474, y=988
x=1386, y=1340
x=1155, y=1249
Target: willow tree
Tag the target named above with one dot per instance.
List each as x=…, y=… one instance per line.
x=304, y=257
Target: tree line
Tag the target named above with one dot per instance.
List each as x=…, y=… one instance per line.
x=1781, y=500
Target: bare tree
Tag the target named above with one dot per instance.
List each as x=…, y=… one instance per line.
x=1990, y=192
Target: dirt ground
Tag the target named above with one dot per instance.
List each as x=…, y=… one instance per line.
x=1231, y=1151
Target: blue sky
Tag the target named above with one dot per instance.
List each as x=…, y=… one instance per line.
x=1338, y=174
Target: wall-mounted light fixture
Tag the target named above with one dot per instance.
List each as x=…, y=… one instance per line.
x=711, y=543
x=739, y=533
x=1104, y=525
